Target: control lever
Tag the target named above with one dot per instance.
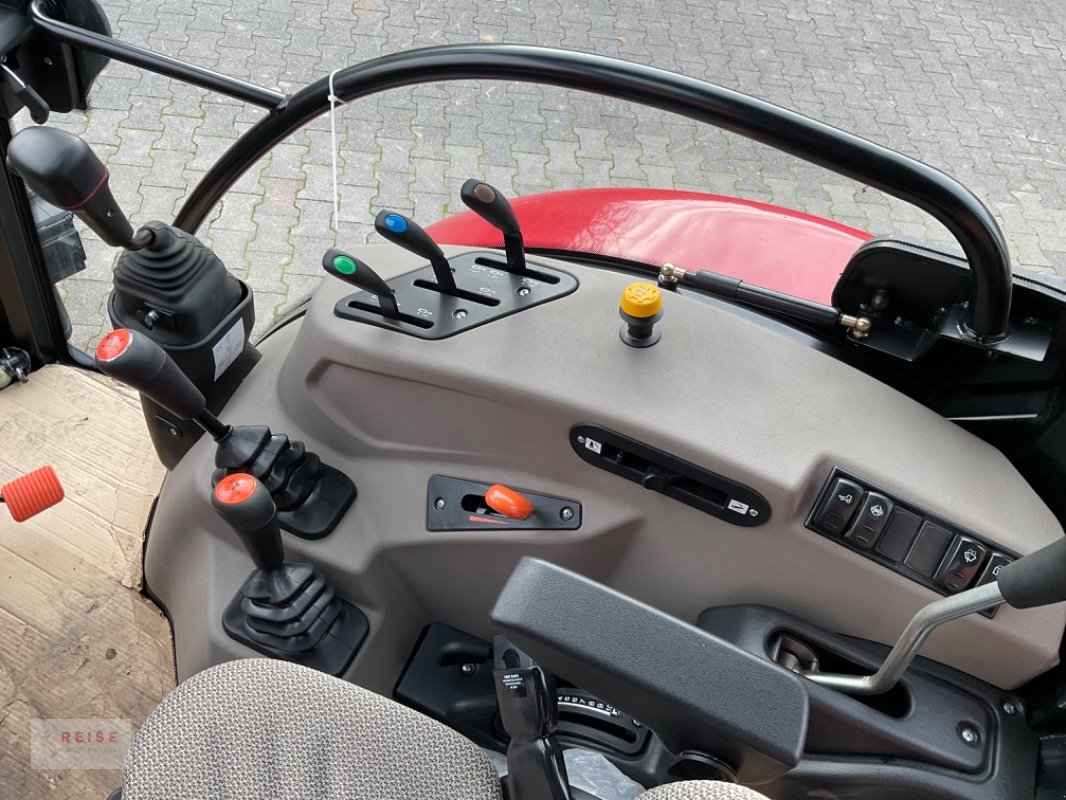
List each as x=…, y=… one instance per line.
x=142, y=364
x=409, y=235
x=360, y=275
x=64, y=171
x=32, y=493
x=530, y=715
x=311, y=496
x=1038, y=579
x=485, y=201
x=285, y=610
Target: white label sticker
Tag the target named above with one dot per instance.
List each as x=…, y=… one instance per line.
x=593, y=445
x=228, y=348
x=739, y=507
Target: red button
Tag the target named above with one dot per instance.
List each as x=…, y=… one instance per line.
x=114, y=344
x=236, y=488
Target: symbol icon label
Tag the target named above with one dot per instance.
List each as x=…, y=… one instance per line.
x=878, y=510
x=737, y=506
x=594, y=446
x=970, y=556
x=845, y=498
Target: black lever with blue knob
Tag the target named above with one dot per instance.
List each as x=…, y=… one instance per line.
x=409, y=235
x=489, y=204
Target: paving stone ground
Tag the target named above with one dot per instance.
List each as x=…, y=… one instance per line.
x=975, y=87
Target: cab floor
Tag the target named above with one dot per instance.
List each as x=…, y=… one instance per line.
x=78, y=642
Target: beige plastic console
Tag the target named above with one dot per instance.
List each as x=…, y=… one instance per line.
x=495, y=404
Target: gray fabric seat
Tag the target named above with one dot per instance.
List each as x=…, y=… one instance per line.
x=257, y=728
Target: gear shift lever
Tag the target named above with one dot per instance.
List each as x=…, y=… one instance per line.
x=311, y=496
x=64, y=171
x=285, y=610
x=530, y=715
x=1039, y=579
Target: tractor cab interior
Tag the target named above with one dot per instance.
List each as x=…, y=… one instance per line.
x=536, y=503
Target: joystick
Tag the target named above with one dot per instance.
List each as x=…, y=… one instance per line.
x=487, y=202
x=167, y=282
x=284, y=610
x=311, y=497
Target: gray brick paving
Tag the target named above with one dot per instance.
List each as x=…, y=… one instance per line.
x=976, y=87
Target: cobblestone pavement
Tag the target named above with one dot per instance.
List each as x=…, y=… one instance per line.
x=976, y=87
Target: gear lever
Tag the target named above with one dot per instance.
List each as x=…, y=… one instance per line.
x=283, y=609
x=530, y=715
x=485, y=201
x=311, y=496
x=1038, y=579
x=405, y=232
x=64, y=171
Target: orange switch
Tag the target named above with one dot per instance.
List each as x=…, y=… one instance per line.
x=508, y=502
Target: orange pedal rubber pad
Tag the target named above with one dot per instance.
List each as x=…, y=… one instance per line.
x=32, y=493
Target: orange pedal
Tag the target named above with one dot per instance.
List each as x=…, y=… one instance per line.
x=508, y=502
x=32, y=493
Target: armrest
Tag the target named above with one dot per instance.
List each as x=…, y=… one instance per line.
x=698, y=692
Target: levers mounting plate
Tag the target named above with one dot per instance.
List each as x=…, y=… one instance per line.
x=488, y=292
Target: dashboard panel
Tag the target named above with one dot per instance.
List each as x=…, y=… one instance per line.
x=498, y=404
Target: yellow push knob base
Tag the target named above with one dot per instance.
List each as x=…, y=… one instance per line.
x=641, y=308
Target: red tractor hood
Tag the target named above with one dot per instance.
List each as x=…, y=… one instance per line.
x=765, y=245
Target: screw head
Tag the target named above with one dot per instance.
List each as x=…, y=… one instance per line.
x=1009, y=708
x=438, y=503
x=459, y=313
x=969, y=734
x=566, y=513
x=469, y=669
x=523, y=291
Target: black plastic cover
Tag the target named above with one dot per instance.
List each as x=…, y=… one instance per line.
x=698, y=692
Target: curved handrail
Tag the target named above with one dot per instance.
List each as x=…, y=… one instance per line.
x=910, y=180
x=943, y=197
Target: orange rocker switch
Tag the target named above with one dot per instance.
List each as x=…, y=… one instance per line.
x=508, y=502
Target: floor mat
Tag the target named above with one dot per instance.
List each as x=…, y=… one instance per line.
x=81, y=651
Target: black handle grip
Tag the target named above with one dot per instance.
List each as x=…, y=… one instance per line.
x=1039, y=579
x=247, y=506
x=137, y=361
x=65, y=172
x=489, y=204
x=408, y=234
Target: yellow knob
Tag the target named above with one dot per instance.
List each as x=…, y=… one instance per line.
x=641, y=299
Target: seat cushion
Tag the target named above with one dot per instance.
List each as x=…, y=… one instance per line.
x=700, y=790
x=260, y=728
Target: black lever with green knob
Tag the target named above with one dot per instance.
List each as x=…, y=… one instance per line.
x=358, y=273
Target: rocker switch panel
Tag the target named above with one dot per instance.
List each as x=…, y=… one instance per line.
x=914, y=543
x=874, y=513
x=838, y=507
